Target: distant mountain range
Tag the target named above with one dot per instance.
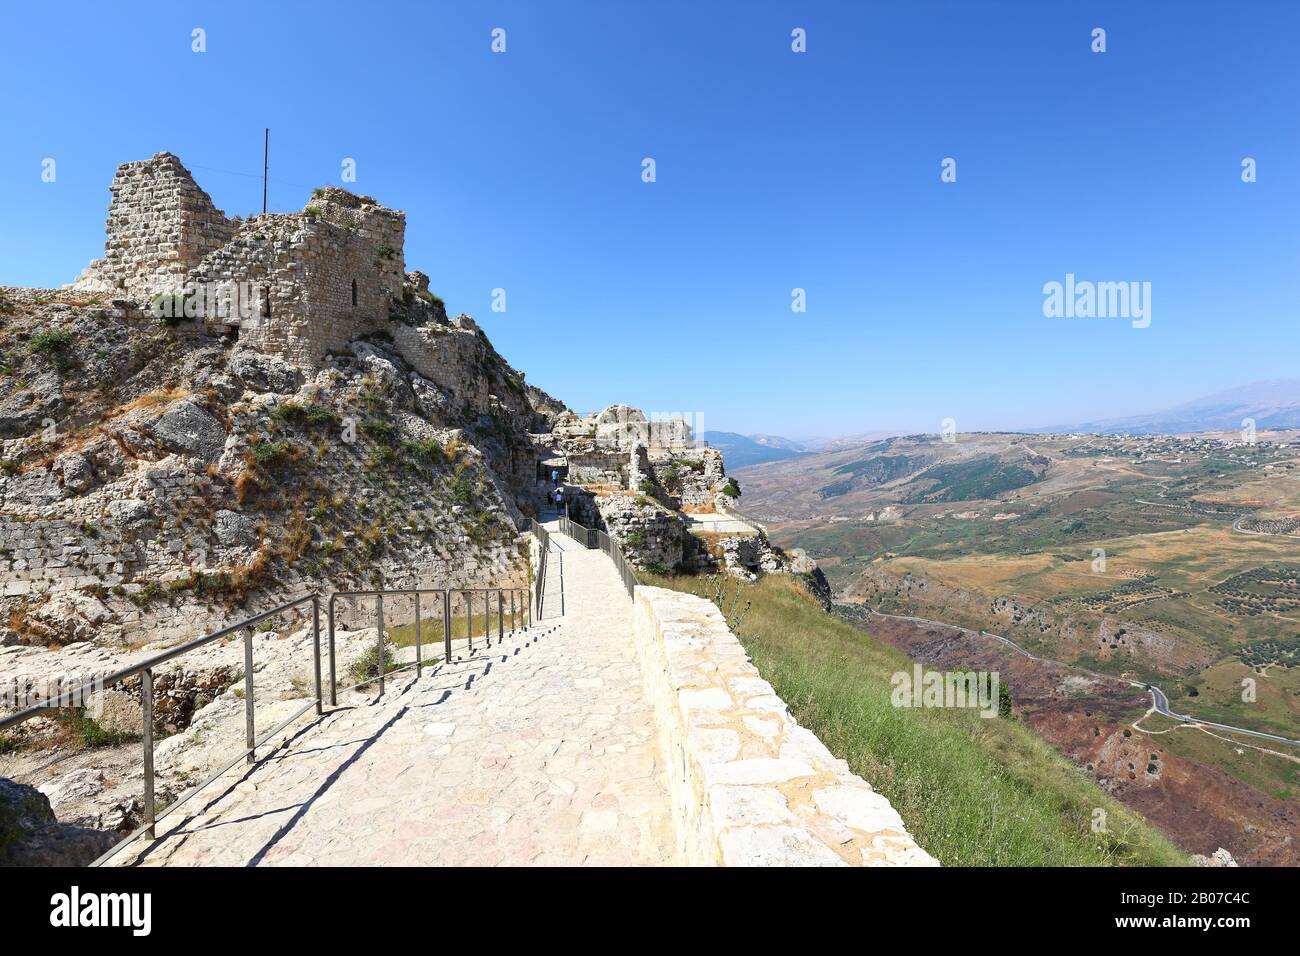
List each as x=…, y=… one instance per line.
x=741, y=450
x=1272, y=404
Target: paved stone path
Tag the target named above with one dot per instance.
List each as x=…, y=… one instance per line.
x=540, y=750
x=719, y=523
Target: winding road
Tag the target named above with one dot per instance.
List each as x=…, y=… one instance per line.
x=1159, y=701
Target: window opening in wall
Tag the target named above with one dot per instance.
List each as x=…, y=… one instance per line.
x=354, y=291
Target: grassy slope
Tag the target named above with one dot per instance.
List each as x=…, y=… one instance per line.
x=972, y=791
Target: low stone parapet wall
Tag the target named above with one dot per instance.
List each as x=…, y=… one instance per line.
x=749, y=786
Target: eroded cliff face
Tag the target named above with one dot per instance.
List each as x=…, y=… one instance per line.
x=221, y=414
x=158, y=478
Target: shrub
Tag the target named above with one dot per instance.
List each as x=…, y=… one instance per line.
x=731, y=489
x=429, y=450
x=147, y=594
x=635, y=539
x=52, y=343
x=304, y=413
x=461, y=492
x=87, y=731
x=266, y=452
x=368, y=666
x=379, y=429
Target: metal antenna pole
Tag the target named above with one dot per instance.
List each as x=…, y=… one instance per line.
x=266, y=155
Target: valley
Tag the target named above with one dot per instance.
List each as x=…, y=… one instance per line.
x=1169, y=561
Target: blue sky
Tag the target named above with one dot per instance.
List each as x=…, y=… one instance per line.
x=775, y=170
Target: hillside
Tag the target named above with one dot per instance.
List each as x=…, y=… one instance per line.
x=1164, y=559
x=973, y=791
x=181, y=476
x=912, y=469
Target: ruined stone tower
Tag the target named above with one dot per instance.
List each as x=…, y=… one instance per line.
x=295, y=284
x=160, y=226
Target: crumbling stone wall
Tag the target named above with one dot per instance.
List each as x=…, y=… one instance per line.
x=160, y=225
x=312, y=281
x=649, y=534
x=694, y=476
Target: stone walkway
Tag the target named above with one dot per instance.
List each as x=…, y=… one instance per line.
x=716, y=523
x=540, y=750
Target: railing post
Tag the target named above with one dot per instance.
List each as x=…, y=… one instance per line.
x=446, y=625
x=501, y=616
x=513, y=594
x=250, y=731
x=469, y=620
x=315, y=656
x=487, y=624
x=379, y=617
x=146, y=692
x=419, y=662
x=334, y=683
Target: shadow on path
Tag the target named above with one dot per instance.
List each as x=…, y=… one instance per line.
x=323, y=788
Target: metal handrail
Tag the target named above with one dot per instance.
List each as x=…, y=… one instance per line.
x=592, y=538
x=520, y=605
x=146, y=668
x=544, y=541
x=445, y=594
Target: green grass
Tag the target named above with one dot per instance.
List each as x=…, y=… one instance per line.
x=88, y=733
x=972, y=791
x=403, y=635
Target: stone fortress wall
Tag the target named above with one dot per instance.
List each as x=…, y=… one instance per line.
x=748, y=785
x=317, y=279
x=160, y=226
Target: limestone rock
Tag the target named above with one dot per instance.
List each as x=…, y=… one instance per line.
x=188, y=429
x=387, y=370
x=72, y=616
x=234, y=530
x=265, y=373
x=30, y=834
x=76, y=785
x=76, y=471
x=1219, y=857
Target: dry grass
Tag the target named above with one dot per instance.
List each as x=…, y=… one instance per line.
x=150, y=400
x=973, y=791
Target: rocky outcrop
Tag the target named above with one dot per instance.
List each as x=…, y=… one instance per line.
x=31, y=835
x=168, y=479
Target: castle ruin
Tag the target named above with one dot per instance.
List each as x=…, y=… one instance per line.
x=298, y=285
